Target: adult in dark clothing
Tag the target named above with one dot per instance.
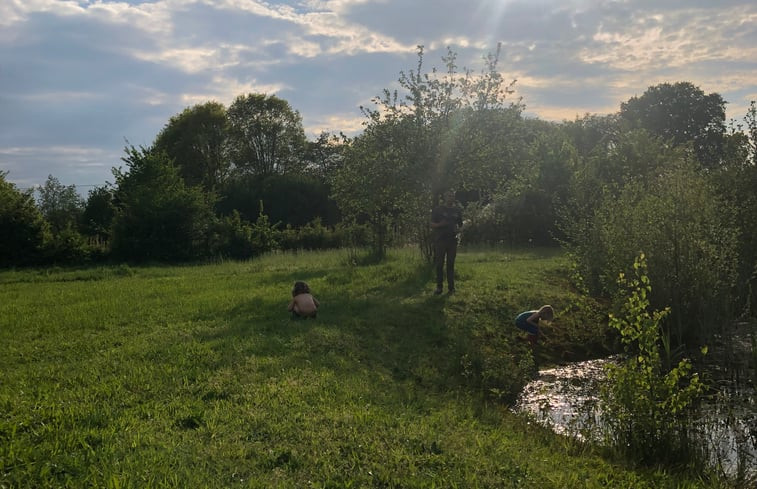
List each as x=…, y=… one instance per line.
x=446, y=220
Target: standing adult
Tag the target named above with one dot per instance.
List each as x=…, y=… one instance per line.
x=446, y=220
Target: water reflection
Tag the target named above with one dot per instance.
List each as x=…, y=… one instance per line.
x=566, y=399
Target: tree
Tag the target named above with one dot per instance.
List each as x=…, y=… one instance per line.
x=737, y=180
x=158, y=216
x=293, y=199
x=60, y=205
x=681, y=113
x=751, y=122
x=22, y=226
x=688, y=234
x=373, y=185
x=266, y=135
x=592, y=134
x=646, y=408
x=440, y=133
x=98, y=214
x=325, y=155
x=196, y=141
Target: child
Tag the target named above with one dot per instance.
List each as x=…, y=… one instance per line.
x=528, y=321
x=303, y=304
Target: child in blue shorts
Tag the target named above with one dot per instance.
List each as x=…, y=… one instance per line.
x=528, y=321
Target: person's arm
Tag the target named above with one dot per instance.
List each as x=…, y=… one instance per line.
x=291, y=305
x=315, y=301
x=533, y=319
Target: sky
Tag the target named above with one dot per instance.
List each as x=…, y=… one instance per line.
x=79, y=79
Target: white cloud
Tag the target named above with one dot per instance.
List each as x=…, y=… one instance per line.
x=189, y=60
x=349, y=124
x=84, y=75
x=688, y=37
x=225, y=90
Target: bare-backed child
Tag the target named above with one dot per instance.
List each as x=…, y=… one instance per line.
x=303, y=304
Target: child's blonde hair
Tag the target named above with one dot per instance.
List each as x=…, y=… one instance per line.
x=546, y=312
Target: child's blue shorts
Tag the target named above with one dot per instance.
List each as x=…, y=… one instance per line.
x=529, y=328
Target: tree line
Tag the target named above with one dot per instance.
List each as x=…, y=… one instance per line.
x=665, y=175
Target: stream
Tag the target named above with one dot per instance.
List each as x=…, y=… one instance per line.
x=565, y=398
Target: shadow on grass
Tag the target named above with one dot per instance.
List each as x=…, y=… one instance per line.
x=395, y=326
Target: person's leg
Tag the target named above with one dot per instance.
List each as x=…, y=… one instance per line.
x=451, y=255
x=439, y=265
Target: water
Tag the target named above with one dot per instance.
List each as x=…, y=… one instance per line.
x=565, y=398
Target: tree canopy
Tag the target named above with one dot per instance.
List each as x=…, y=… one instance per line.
x=266, y=135
x=681, y=113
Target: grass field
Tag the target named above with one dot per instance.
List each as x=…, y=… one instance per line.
x=195, y=376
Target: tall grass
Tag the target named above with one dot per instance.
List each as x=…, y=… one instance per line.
x=195, y=376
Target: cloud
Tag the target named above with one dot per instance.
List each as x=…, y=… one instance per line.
x=80, y=77
x=673, y=39
x=74, y=165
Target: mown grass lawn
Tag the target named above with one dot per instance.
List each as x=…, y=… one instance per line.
x=195, y=376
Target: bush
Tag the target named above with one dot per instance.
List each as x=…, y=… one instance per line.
x=232, y=238
x=315, y=235
x=67, y=247
x=158, y=217
x=688, y=236
x=646, y=411
x=22, y=227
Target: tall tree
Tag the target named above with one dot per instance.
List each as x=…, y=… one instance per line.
x=98, y=214
x=158, y=216
x=22, y=226
x=61, y=205
x=266, y=135
x=751, y=130
x=377, y=180
x=439, y=132
x=196, y=141
x=681, y=113
x=325, y=155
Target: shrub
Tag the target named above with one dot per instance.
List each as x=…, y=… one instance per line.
x=690, y=241
x=67, y=247
x=22, y=226
x=646, y=411
x=232, y=238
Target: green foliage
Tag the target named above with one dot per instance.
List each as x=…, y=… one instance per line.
x=682, y=114
x=265, y=135
x=445, y=130
x=292, y=199
x=315, y=236
x=99, y=211
x=232, y=238
x=61, y=205
x=67, y=246
x=237, y=238
x=737, y=179
x=646, y=409
x=22, y=226
x=674, y=213
x=196, y=141
x=158, y=217
x=373, y=185
x=522, y=208
x=265, y=236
